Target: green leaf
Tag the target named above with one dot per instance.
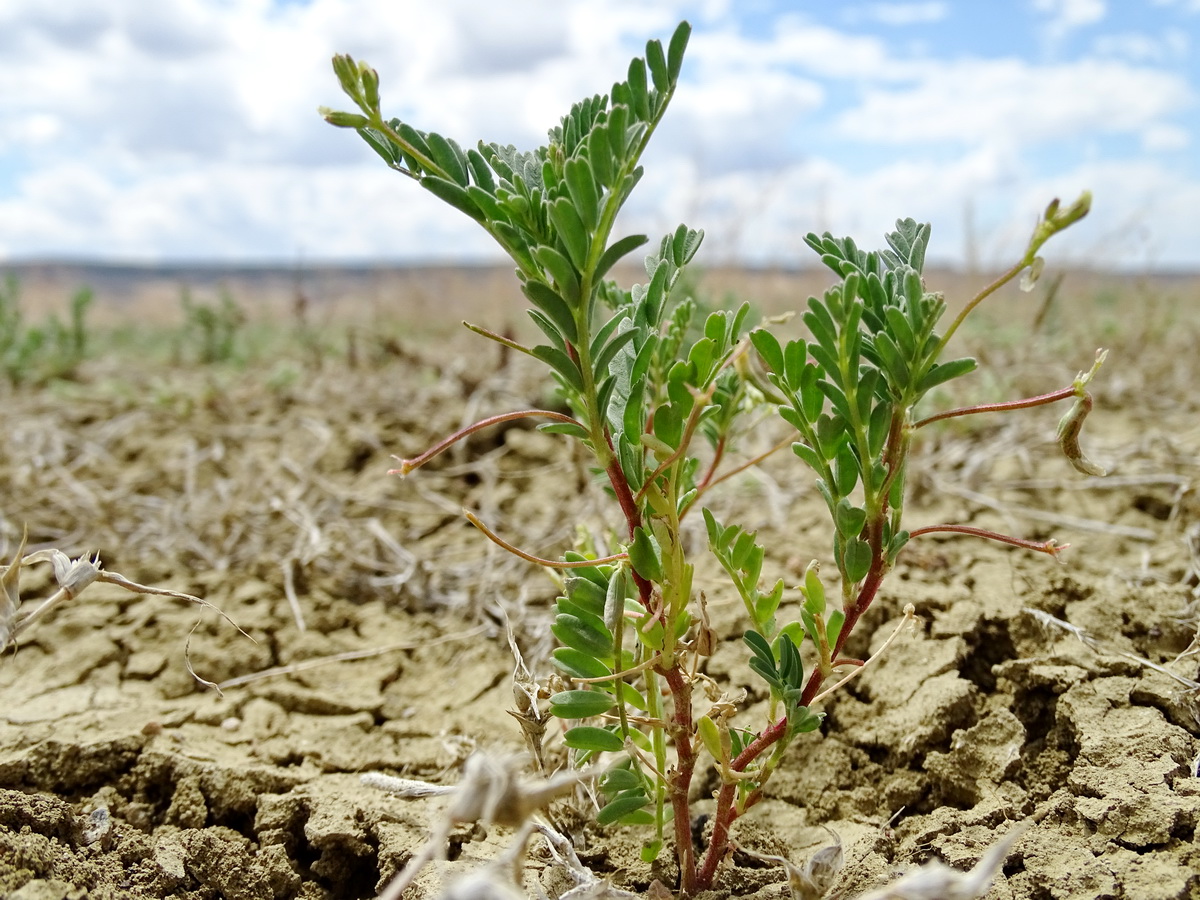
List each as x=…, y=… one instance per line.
x=561, y=363
x=486, y=202
x=571, y=230
x=687, y=499
x=604, y=393
x=548, y=328
x=833, y=626
x=657, y=60
x=622, y=805
x=802, y=720
x=619, y=779
x=561, y=270
x=685, y=244
x=809, y=455
x=582, y=187
x=753, y=566
x=827, y=359
x=675, y=50
x=581, y=704
x=586, y=593
x=857, y=560
x=878, y=428
x=638, y=95
x=867, y=382
x=764, y=670
x=600, y=155
x=453, y=194
x=820, y=323
x=629, y=695
x=554, y=306
x=591, y=638
x=383, y=145
x=619, y=340
x=845, y=472
x=814, y=590
x=763, y=660
x=741, y=550
x=837, y=398
x=645, y=555
x=810, y=624
x=601, y=336
x=791, y=669
x=590, y=737
x=578, y=664
x=769, y=349
x=795, y=356
x=850, y=519
x=450, y=157
x=618, y=119
x=650, y=851
x=617, y=250
x=481, y=172
x=414, y=138
x=714, y=529
x=901, y=331
x=943, y=372
x=794, y=630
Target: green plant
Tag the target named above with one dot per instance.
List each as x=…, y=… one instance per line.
x=212, y=329
x=41, y=353
x=657, y=394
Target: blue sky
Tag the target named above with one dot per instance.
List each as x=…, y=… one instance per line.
x=160, y=130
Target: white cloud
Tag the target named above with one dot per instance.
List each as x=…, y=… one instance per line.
x=1066, y=16
x=159, y=129
x=1173, y=43
x=975, y=102
x=1165, y=138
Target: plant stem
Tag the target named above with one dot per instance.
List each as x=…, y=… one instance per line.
x=408, y=465
x=1039, y=400
x=1050, y=548
x=529, y=557
x=975, y=301
x=681, y=779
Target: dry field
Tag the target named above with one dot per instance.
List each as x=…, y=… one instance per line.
x=258, y=484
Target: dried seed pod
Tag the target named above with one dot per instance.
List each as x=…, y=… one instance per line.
x=1069, y=428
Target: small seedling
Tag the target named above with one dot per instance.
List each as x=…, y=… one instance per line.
x=212, y=330
x=33, y=354
x=658, y=395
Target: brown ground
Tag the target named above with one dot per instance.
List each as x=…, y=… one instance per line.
x=240, y=485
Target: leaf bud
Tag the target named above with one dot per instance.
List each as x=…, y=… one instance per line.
x=370, y=83
x=347, y=73
x=343, y=119
x=710, y=736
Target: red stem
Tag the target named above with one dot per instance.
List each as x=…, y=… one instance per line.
x=1048, y=547
x=681, y=779
x=1040, y=400
x=407, y=465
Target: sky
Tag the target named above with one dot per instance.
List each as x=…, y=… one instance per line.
x=154, y=131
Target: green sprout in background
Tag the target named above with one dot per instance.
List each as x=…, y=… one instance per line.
x=658, y=395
